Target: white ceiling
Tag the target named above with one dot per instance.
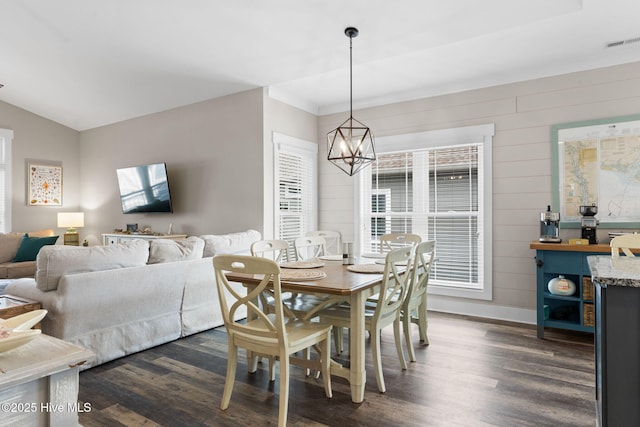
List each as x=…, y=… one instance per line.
x=89, y=63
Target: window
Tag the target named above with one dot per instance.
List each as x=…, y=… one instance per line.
x=437, y=185
x=6, y=136
x=296, y=187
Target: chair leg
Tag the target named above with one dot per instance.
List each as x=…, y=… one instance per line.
x=325, y=360
x=284, y=390
x=307, y=355
x=231, y=376
x=272, y=368
x=406, y=323
x=252, y=361
x=338, y=338
x=398, y=339
x=377, y=361
x=423, y=322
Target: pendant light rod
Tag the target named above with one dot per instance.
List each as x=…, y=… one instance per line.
x=351, y=32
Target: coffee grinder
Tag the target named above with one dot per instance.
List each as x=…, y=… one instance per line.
x=550, y=226
x=589, y=223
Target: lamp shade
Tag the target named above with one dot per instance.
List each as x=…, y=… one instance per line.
x=70, y=219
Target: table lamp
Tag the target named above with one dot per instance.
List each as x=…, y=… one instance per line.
x=71, y=220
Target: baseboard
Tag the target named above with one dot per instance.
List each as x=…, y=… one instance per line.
x=481, y=309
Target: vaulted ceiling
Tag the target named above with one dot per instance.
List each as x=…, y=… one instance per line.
x=88, y=63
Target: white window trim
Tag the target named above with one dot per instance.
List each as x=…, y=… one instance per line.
x=293, y=145
x=6, y=138
x=444, y=138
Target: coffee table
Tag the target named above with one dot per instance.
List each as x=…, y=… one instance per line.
x=39, y=383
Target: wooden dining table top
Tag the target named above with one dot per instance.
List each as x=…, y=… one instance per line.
x=339, y=280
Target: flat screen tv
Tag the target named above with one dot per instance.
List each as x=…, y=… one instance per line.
x=144, y=189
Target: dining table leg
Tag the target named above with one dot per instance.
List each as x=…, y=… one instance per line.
x=358, y=376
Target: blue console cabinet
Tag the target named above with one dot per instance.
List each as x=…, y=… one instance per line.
x=575, y=312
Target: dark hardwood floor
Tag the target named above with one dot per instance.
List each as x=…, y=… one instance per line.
x=475, y=372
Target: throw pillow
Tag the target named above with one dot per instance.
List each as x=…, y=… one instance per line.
x=168, y=250
x=30, y=246
x=232, y=243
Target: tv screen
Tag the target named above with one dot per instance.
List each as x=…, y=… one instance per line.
x=144, y=189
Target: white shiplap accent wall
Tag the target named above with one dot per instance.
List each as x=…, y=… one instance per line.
x=522, y=114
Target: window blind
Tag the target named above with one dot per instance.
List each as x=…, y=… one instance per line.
x=296, y=190
x=432, y=192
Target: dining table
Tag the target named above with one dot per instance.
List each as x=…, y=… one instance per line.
x=340, y=283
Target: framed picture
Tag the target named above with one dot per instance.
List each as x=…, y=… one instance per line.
x=597, y=163
x=45, y=185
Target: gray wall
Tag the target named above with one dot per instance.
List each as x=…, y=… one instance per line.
x=285, y=119
x=37, y=138
x=213, y=151
x=522, y=113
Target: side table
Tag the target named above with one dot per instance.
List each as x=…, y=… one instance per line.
x=39, y=383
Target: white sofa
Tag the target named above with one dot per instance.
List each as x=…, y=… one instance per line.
x=120, y=299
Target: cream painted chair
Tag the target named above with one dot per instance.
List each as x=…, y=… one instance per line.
x=391, y=241
x=414, y=307
x=309, y=247
x=276, y=250
x=384, y=312
x=279, y=334
x=333, y=241
x=624, y=243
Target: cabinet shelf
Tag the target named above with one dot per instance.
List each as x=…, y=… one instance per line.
x=574, y=297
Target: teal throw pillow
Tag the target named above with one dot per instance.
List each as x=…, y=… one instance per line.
x=30, y=246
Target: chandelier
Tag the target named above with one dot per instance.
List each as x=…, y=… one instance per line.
x=350, y=145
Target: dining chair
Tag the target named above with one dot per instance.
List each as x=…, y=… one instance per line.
x=414, y=306
x=277, y=334
x=308, y=247
x=276, y=250
x=624, y=243
x=391, y=241
x=384, y=312
x=333, y=240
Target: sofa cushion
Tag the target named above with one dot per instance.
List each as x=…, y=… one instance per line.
x=232, y=243
x=168, y=250
x=18, y=270
x=30, y=246
x=9, y=244
x=55, y=261
x=41, y=233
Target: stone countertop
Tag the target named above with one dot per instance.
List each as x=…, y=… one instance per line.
x=619, y=271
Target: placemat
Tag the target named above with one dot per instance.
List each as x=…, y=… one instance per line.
x=330, y=257
x=302, y=264
x=382, y=261
x=366, y=268
x=374, y=255
x=302, y=275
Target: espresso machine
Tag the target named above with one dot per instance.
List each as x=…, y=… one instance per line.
x=550, y=226
x=589, y=223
